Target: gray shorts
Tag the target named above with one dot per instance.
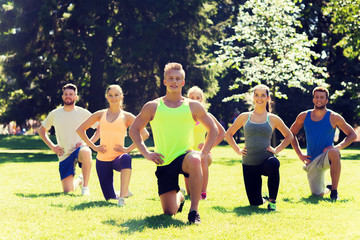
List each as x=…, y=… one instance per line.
x=315, y=173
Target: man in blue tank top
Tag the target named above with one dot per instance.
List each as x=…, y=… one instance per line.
x=320, y=124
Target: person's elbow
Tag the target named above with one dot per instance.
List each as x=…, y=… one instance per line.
x=290, y=137
x=227, y=136
x=221, y=133
x=353, y=136
x=132, y=132
x=41, y=130
x=215, y=130
x=79, y=130
x=145, y=134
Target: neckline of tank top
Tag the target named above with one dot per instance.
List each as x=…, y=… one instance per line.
x=114, y=119
x=319, y=120
x=161, y=99
x=267, y=119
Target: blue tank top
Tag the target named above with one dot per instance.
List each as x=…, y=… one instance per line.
x=257, y=139
x=319, y=134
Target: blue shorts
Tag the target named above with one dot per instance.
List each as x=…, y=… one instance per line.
x=67, y=166
x=168, y=175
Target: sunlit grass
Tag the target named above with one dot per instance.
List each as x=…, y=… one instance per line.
x=33, y=207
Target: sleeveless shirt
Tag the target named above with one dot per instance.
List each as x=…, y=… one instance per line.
x=257, y=139
x=199, y=135
x=111, y=134
x=319, y=134
x=173, y=130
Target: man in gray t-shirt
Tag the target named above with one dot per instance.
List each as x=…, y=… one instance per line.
x=69, y=148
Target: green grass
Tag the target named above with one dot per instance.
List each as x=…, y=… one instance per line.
x=33, y=207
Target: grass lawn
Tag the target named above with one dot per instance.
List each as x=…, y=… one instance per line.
x=33, y=207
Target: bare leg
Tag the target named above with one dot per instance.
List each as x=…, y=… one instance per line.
x=335, y=167
x=192, y=166
x=67, y=184
x=86, y=161
x=125, y=180
x=170, y=202
x=205, y=168
x=187, y=185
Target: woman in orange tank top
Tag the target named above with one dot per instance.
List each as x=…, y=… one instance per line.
x=112, y=153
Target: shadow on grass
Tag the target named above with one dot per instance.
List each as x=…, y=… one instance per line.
x=23, y=142
x=139, y=225
x=45, y=195
x=242, y=210
x=227, y=162
x=313, y=199
x=350, y=157
x=27, y=157
x=94, y=204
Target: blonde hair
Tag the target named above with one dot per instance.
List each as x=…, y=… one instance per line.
x=264, y=87
x=119, y=89
x=196, y=89
x=174, y=66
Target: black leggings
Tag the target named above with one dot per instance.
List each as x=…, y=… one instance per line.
x=253, y=181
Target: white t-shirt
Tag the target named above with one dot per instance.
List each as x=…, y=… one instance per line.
x=65, y=124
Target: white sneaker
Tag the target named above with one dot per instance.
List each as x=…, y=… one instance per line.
x=121, y=202
x=85, y=191
x=78, y=182
x=129, y=194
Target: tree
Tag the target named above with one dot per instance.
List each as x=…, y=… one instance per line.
x=267, y=49
x=47, y=43
x=345, y=21
x=333, y=25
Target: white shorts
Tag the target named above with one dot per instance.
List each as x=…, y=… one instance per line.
x=315, y=173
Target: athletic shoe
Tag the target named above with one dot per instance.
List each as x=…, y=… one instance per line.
x=121, y=202
x=203, y=196
x=194, y=217
x=129, y=194
x=85, y=191
x=265, y=199
x=272, y=206
x=334, y=195
x=78, y=182
x=182, y=190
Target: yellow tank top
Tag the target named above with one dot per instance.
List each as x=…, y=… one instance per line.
x=173, y=130
x=111, y=133
x=199, y=135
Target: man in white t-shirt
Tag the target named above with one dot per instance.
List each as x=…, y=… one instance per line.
x=70, y=149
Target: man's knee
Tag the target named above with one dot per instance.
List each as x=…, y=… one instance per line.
x=84, y=153
x=334, y=155
x=193, y=160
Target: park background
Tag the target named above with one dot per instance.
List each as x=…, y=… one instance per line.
x=226, y=47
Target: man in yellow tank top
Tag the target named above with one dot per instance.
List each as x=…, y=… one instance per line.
x=172, y=118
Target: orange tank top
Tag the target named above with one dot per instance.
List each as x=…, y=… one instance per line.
x=111, y=134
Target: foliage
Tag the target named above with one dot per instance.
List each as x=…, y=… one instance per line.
x=267, y=49
x=34, y=207
x=47, y=43
x=322, y=22
x=345, y=21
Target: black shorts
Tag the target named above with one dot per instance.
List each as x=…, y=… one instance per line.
x=168, y=175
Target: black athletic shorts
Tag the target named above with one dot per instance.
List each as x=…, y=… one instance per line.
x=168, y=175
